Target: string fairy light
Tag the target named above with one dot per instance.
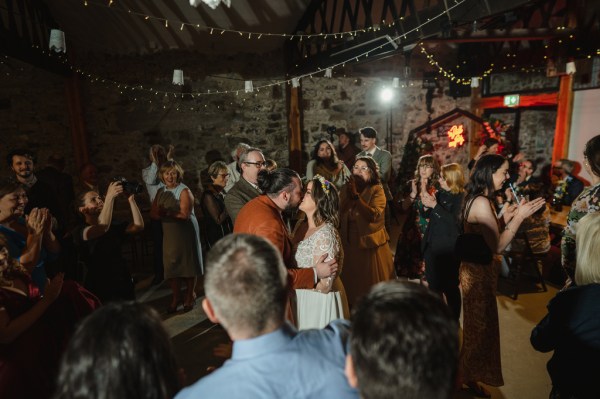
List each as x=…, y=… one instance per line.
x=257, y=88
x=136, y=88
x=259, y=35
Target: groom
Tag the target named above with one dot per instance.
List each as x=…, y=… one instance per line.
x=282, y=189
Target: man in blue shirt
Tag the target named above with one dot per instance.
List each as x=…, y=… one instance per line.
x=246, y=291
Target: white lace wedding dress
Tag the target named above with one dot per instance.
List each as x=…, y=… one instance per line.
x=315, y=309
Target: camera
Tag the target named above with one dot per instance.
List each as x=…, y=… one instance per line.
x=331, y=129
x=129, y=187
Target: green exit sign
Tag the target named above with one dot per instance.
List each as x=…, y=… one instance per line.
x=512, y=100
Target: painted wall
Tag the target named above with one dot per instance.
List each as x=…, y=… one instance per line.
x=585, y=124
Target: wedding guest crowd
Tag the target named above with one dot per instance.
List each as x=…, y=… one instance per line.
x=285, y=299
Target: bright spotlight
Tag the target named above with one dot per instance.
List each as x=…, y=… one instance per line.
x=386, y=94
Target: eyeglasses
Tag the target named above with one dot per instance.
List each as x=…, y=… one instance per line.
x=258, y=164
x=363, y=168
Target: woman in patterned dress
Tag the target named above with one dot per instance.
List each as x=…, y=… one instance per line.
x=182, y=253
x=327, y=302
x=408, y=249
x=480, y=356
x=587, y=202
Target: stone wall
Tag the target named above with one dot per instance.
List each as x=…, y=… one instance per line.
x=33, y=113
x=122, y=122
x=355, y=103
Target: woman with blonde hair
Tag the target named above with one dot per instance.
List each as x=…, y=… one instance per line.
x=316, y=308
x=572, y=326
x=182, y=253
x=440, y=236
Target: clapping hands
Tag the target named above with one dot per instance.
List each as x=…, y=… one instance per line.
x=38, y=221
x=524, y=209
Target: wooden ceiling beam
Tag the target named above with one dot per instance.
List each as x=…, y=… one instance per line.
x=502, y=36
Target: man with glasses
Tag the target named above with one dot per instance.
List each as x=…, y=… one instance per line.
x=251, y=161
x=234, y=167
x=526, y=170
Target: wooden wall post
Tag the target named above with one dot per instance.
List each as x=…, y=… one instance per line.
x=563, y=118
x=295, y=129
x=78, y=133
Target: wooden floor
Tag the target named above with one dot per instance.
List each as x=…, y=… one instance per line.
x=196, y=339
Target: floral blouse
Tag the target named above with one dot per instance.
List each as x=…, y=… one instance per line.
x=587, y=202
x=423, y=213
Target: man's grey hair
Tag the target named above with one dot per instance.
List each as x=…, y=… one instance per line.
x=237, y=151
x=246, y=283
x=244, y=154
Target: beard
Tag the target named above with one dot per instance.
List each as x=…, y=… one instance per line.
x=25, y=173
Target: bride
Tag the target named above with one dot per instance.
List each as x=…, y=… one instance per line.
x=316, y=308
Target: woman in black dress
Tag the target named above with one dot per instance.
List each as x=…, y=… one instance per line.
x=216, y=219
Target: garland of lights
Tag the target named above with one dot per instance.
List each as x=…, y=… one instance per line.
x=449, y=74
x=294, y=81
x=173, y=101
x=254, y=35
x=467, y=81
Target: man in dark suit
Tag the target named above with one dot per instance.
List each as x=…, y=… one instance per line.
x=252, y=161
x=563, y=169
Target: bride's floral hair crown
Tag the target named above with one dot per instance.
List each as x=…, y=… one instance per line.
x=325, y=184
